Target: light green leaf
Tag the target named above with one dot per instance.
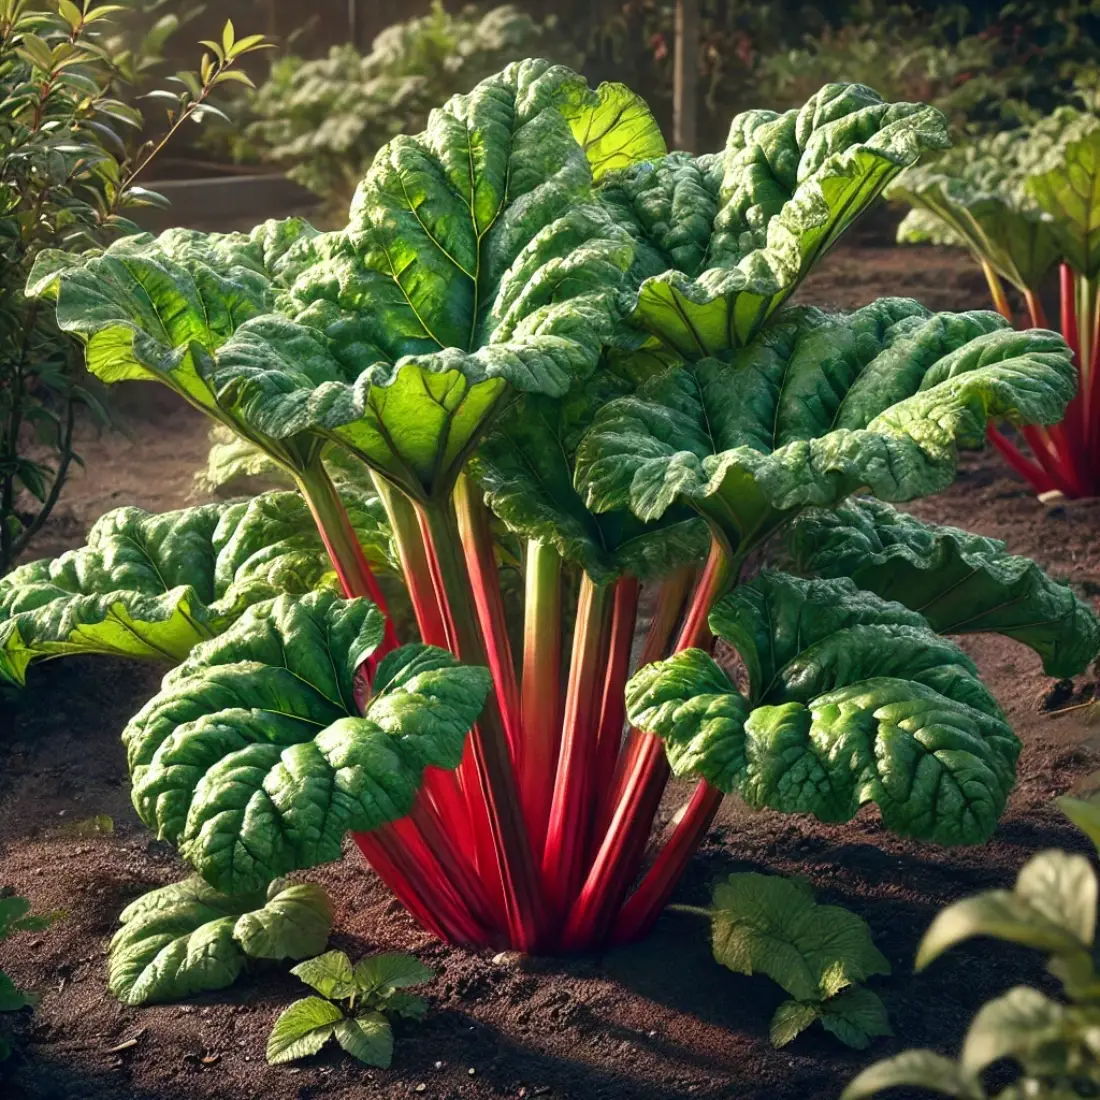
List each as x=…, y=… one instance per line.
x=791, y=1018
x=724, y=241
x=254, y=759
x=1012, y=1026
x=818, y=407
x=961, y=583
x=615, y=128
x=919, y=1069
x=856, y=1016
x=770, y=925
x=1066, y=186
x=851, y=700
x=330, y=974
x=1084, y=813
x=380, y=974
x=1052, y=908
x=368, y=1038
x=153, y=586
x=188, y=938
x=302, y=1030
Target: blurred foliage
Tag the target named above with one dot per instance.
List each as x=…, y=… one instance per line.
x=324, y=120
x=71, y=154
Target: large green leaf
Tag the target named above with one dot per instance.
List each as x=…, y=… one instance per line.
x=851, y=700
x=152, y=586
x=1066, y=186
x=188, y=938
x=615, y=128
x=961, y=583
x=723, y=241
x=770, y=925
x=476, y=265
x=526, y=467
x=818, y=407
x=254, y=759
x=920, y=1068
x=159, y=308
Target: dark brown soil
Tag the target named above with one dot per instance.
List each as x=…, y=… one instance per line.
x=657, y=1021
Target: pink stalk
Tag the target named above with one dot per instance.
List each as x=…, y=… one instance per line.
x=1031, y=471
x=477, y=543
x=514, y=860
x=623, y=848
x=571, y=810
x=540, y=703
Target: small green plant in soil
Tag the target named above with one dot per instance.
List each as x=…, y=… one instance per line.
x=355, y=1008
x=15, y=917
x=1054, y=1045
x=70, y=163
x=536, y=319
x=818, y=953
x=1024, y=202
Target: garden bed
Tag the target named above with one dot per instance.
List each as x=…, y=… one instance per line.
x=657, y=1021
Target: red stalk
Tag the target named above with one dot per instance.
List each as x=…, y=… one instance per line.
x=540, y=703
x=1030, y=471
x=670, y=602
x=624, y=619
x=1074, y=420
x=477, y=543
x=515, y=863
x=646, y=903
x=623, y=848
x=383, y=852
x=342, y=544
x=571, y=810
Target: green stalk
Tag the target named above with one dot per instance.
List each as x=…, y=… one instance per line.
x=540, y=700
x=514, y=858
x=997, y=291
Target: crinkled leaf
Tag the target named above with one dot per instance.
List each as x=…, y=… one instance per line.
x=1012, y=1026
x=254, y=760
x=856, y=1016
x=615, y=128
x=302, y=1030
x=961, y=583
x=1066, y=186
x=1052, y=908
x=723, y=241
x=525, y=465
x=159, y=308
x=368, y=1038
x=476, y=265
x=818, y=407
x=769, y=925
x=381, y=974
x=189, y=938
x=153, y=586
x=920, y=1069
x=330, y=974
x=852, y=700
x=791, y=1018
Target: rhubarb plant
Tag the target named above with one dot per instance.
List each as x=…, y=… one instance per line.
x=549, y=344
x=1023, y=202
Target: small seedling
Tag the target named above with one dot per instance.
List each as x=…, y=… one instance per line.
x=14, y=918
x=354, y=1008
x=818, y=953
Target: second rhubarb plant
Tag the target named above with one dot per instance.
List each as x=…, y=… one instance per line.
x=533, y=320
